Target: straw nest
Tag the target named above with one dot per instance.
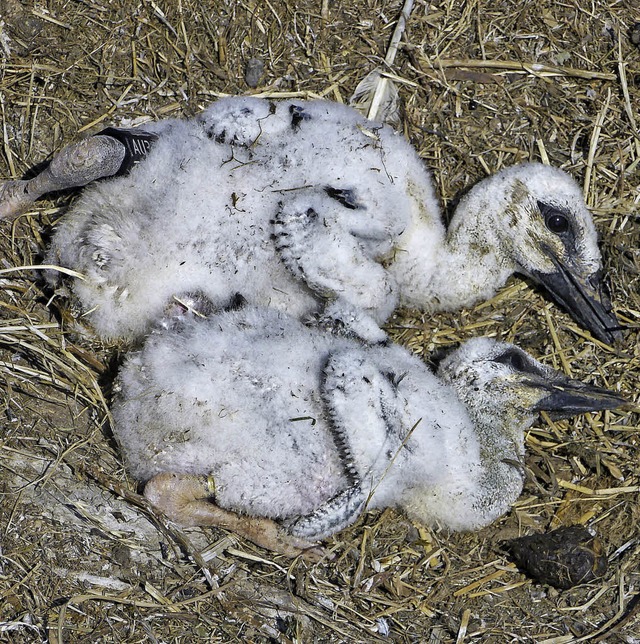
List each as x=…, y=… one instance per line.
x=484, y=85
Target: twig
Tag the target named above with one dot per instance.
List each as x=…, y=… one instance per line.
x=398, y=32
x=376, y=96
x=623, y=617
x=593, y=145
x=537, y=69
x=391, y=55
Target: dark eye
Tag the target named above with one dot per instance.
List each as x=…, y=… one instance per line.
x=555, y=220
x=513, y=359
x=557, y=223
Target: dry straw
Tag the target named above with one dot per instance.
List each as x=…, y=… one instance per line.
x=482, y=85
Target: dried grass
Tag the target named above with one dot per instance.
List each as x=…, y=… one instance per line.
x=84, y=559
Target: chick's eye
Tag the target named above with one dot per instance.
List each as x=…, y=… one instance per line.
x=555, y=219
x=557, y=223
x=513, y=359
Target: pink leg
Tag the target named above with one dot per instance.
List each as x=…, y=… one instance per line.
x=76, y=165
x=185, y=499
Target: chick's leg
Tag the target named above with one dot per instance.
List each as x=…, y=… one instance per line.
x=76, y=165
x=316, y=240
x=364, y=408
x=342, y=318
x=331, y=517
x=187, y=500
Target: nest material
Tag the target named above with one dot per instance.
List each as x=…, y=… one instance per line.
x=484, y=85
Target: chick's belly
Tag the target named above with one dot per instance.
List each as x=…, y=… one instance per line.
x=297, y=485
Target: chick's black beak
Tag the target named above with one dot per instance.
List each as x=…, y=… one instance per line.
x=567, y=397
x=584, y=299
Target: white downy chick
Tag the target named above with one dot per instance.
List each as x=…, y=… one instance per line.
x=297, y=424
x=296, y=203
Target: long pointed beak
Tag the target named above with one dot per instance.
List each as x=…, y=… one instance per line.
x=567, y=397
x=584, y=299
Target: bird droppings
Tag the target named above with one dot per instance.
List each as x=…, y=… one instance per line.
x=67, y=80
